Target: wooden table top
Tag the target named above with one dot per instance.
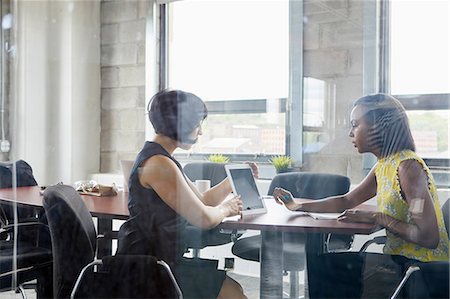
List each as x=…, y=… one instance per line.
x=105, y=206
x=279, y=218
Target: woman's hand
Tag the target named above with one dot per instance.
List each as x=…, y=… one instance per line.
x=357, y=216
x=285, y=197
x=254, y=168
x=231, y=207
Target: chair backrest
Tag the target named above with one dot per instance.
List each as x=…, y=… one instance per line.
x=24, y=177
x=73, y=236
x=197, y=237
x=215, y=172
x=445, y=213
x=311, y=185
x=24, y=174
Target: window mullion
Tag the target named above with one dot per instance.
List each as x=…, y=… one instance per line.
x=294, y=107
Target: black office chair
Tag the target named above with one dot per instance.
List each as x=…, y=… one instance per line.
x=31, y=243
x=198, y=238
x=74, y=241
x=301, y=185
x=435, y=274
x=215, y=172
x=24, y=178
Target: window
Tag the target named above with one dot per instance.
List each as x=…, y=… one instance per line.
x=235, y=56
x=420, y=71
x=318, y=111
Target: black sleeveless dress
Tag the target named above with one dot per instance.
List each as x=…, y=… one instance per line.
x=155, y=229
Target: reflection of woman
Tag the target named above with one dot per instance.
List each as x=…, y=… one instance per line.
x=162, y=200
x=407, y=201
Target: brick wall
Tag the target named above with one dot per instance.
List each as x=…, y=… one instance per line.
x=333, y=52
x=122, y=80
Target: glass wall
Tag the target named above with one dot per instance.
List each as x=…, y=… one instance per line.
x=50, y=125
x=420, y=72
x=278, y=77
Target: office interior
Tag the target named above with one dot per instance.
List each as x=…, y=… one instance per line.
x=279, y=77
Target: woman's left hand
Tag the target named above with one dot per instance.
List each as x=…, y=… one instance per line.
x=254, y=168
x=357, y=216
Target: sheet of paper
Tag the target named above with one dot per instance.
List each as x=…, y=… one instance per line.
x=324, y=216
x=232, y=218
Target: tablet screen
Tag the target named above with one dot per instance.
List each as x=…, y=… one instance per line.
x=244, y=184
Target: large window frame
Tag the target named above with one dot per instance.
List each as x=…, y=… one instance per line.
x=291, y=106
x=411, y=102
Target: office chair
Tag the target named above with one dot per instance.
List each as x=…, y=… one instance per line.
x=74, y=241
x=24, y=178
x=31, y=243
x=301, y=185
x=435, y=274
x=198, y=238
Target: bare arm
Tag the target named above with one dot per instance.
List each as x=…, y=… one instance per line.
x=363, y=192
x=414, y=186
x=161, y=174
x=219, y=192
x=215, y=195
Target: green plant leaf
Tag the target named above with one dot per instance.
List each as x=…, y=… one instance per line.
x=218, y=158
x=281, y=162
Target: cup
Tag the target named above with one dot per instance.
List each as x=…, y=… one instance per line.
x=203, y=185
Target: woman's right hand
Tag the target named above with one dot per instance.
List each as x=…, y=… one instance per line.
x=231, y=207
x=285, y=197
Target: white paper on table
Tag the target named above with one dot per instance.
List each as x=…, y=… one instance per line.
x=324, y=216
x=232, y=218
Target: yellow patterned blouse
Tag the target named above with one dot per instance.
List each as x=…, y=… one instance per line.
x=391, y=202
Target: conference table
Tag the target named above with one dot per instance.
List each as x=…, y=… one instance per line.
x=278, y=220
x=272, y=224
x=104, y=208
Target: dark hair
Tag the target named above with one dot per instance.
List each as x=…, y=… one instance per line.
x=176, y=113
x=389, y=126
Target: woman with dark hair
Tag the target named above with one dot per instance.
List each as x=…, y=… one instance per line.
x=407, y=207
x=162, y=200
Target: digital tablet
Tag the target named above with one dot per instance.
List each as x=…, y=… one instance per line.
x=243, y=184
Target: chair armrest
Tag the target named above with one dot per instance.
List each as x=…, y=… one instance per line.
x=113, y=265
x=10, y=227
x=35, y=225
x=198, y=238
x=100, y=236
x=377, y=240
x=16, y=271
x=405, y=278
x=234, y=233
x=172, y=277
x=80, y=277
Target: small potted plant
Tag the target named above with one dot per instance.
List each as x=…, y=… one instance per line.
x=218, y=158
x=281, y=163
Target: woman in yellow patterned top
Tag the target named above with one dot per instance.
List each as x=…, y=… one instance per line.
x=407, y=207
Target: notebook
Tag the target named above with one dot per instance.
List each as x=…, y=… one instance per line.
x=243, y=183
